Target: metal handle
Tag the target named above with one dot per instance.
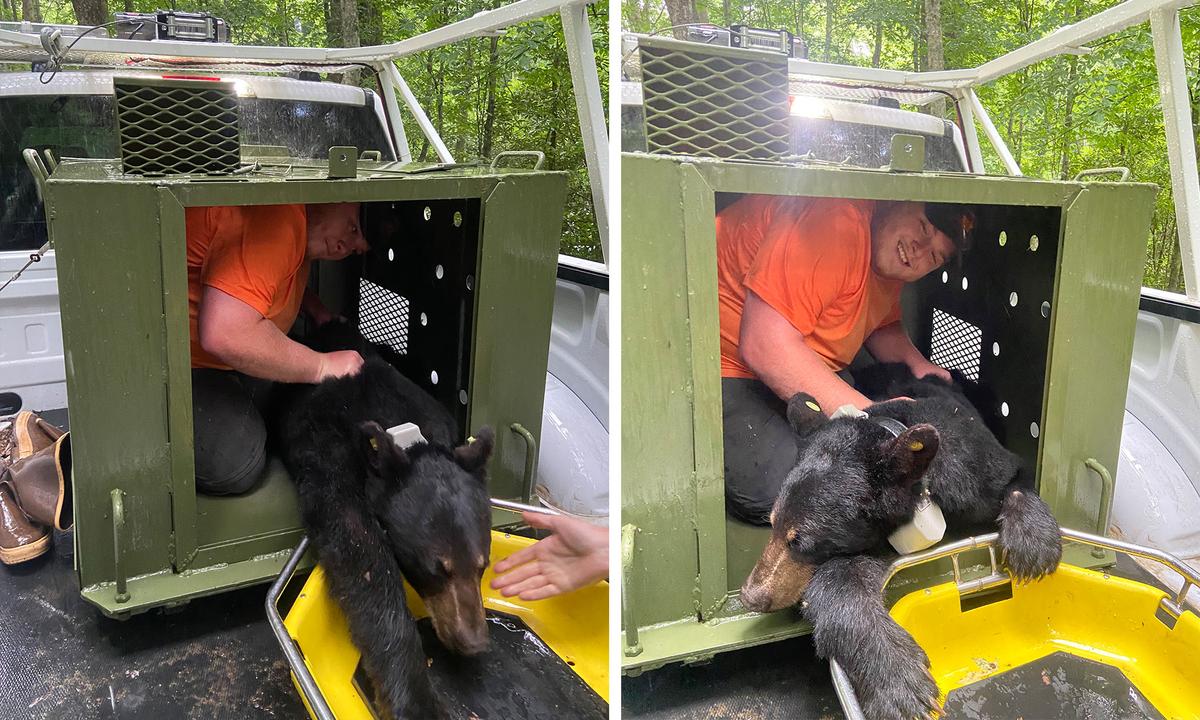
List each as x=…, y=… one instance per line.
x=1122, y=171
x=1106, y=493
x=38, y=168
x=538, y=154
x=530, y=460
x=117, y=497
x=522, y=507
x=372, y=155
x=308, y=686
x=51, y=161
x=633, y=644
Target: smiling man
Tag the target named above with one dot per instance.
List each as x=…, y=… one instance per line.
x=247, y=282
x=804, y=284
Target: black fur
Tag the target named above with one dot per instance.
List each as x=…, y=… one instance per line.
x=854, y=484
x=378, y=515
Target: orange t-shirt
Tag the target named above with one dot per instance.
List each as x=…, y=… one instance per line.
x=809, y=259
x=253, y=253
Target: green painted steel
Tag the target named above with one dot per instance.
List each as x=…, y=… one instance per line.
x=687, y=558
x=123, y=289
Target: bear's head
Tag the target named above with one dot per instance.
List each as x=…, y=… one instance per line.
x=853, y=484
x=433, y=503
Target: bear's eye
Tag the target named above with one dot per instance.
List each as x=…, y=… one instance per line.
x=445, y=566
x=793, y=537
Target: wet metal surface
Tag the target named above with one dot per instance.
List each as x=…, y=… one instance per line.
x=60, y=658
x=518, y=678
x=1056, y=686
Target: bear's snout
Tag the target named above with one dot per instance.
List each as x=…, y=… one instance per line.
x=777, y=580
x=458, y=617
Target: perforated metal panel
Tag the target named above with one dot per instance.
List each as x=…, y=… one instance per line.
x=991, y=319
x=173, y=127
x=714, y=102
x=416, y=292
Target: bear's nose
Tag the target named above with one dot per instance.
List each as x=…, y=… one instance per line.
x=755, y=597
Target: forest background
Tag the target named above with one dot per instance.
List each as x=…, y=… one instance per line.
x=484, y=95
x=1060, y=116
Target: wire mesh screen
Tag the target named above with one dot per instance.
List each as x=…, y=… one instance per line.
x=714, y=102
x=169, y=127
x=383, y=316
x=416, y=292
x=991, y=318
x=955, y=344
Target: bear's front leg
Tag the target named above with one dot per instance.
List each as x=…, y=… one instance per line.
x=889, y=671
x=1030, y=542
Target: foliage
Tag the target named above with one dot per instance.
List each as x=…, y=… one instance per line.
x=484, y=95
x=1058, y=116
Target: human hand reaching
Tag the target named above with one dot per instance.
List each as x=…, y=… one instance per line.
x=923, y=367
x=574, y=556
x=338, y=364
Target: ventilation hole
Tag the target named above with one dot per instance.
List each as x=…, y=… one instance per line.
x=470, y=282
x=1033, y=243
x=964, y=283
x=1034, y=430
x=391, y=255
x=956, y=344
x=1004, y=409
x=457, y=219
x=433, y=377
x=383, y=316
x=438, y=272
x=462, y=397
x=1003, y=238
x=996, y=349
x=945, y=277
x=424, y=319
x=1012, y=299
x=1045, y=309
x=428, y=213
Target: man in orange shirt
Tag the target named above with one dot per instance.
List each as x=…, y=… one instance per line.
x=803, y=285
x=247, y=282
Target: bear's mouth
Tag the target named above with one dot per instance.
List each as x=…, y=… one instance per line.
x=777, y=581
x=458, y=617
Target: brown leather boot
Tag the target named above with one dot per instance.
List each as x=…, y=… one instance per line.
x=31, y=434
x=20, y=538
x=41, y=484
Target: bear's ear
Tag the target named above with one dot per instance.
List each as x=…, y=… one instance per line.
x=385, y=459
x=474, y=455
x=804, y=414
x=908, y=456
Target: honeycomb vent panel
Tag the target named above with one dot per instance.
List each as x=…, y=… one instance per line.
x=175, y=127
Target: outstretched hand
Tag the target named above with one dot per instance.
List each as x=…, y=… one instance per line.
x=574, y=556
x=923, y=367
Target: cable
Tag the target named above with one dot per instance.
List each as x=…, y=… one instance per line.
x=56, y=59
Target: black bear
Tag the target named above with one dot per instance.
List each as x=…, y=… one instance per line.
x=855, y=481
x=378, y=515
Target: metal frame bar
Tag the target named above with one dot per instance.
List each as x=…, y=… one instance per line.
x=993, y=135
x=590, y=107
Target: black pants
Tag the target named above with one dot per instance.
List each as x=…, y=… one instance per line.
x=760, y=447
x=230, y=435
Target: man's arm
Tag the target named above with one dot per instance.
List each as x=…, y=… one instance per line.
x=780, y=357
x=891, y=344
x=242, y=338
x=312, y=306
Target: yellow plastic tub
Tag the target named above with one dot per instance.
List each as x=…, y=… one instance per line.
x=1142, y=631
x=316, y=639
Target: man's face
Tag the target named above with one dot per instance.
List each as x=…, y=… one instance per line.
x=905, y=246
x=334, y=232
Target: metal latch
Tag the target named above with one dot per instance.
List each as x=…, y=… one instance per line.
x=908, y=153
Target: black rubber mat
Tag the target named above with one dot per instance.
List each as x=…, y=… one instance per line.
x=517, y=678
x=60, y=658
x=1058, y=686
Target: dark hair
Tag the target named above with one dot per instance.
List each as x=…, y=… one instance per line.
x=957, y=221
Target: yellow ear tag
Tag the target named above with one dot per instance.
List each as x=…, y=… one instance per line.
x=374, y=444
x=812, y=405
x=470, y=439
x=916, y=446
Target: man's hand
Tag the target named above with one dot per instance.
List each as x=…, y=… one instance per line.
x=922, y=367
x=339, y=363
x=576, y=555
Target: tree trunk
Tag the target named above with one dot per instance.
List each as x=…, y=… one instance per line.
x=333, y=23
x=933, y=43
x=1068, y=118
x=370, y=31
x=349, y=12
x=725, y=8
x=489, y=123
x=877, y=55
x=681, y=12
x=30, y=11
x=829, y=5
x=90, y=12
x=281, y=14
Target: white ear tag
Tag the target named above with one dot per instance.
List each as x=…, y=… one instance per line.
x=406, y=435
x=847, y=410
x=925, y=529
